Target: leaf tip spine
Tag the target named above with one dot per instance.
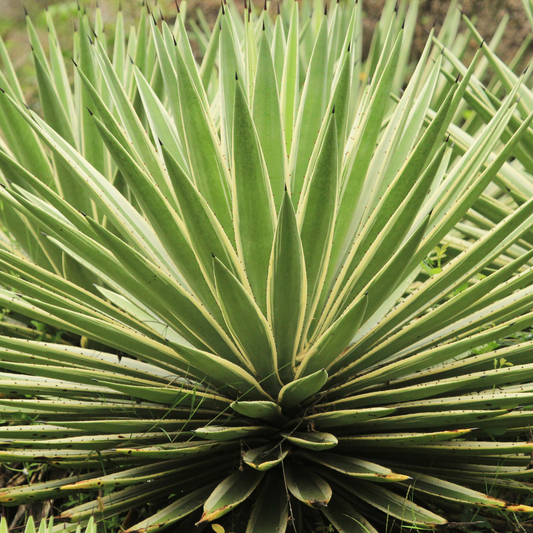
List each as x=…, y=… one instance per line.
x=75, y=64
x=90, y=112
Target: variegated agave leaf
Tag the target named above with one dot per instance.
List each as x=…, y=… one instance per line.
x=274, y=269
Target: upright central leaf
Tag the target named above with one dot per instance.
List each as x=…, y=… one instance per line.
x=253, y=206
x=317, y=216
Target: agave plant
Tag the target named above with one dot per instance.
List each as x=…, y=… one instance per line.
x=286, y=285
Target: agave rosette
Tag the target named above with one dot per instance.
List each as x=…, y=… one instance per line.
x=238, y=245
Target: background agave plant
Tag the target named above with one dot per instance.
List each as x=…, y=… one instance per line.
x=239, y=264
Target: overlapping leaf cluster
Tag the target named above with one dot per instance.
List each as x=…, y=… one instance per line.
x=235, y=249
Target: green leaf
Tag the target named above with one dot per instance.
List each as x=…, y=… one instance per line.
x=223, y=434
x=253, y=209
x=132, y=123
x=229, y=493
x=208, y=170
x=391, y=503
x=206, y=234
x=345, y=518
x=360, y=155
x=270, y=511
x=267, y=119
x=173, y=512
x=289, y=90
x=348, y=417
x=286, y=289
x=248, y=326
x=335, y=340
x=230, y=64
x=400, y=439
x=162, y=217
x=308, y=487
x=310, y=112
x=311, y=441
x=299, y=390
x=268, y=411
x=452, y=491
x=353, y=467
x=316, y=216
x=265, y=457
